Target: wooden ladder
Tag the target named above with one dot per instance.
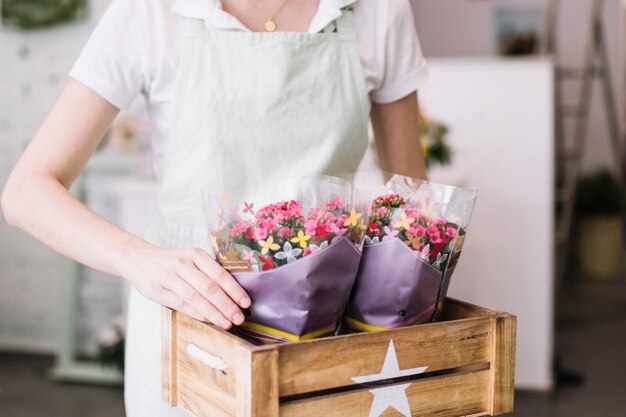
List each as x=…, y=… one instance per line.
x=569, y=155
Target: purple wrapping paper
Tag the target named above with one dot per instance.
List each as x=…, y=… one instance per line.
x=394, y=288
x=303, y=298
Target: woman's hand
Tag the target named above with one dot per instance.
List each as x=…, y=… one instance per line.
x=189, y=281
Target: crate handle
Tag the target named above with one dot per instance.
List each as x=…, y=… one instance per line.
x=206, y=358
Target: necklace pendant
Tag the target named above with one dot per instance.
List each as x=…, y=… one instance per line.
x=270, y=26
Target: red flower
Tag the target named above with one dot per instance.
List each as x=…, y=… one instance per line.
x=268, y=263
x=321, y=232
x=374, y=230
x=435, y=249
x=391, y=200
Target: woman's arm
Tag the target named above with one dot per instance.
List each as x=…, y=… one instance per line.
x=36, y=199
x=396, y=133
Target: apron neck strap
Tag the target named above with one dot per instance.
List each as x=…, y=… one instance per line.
x=345, y=23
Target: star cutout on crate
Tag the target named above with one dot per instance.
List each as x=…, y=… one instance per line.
x=393, y=396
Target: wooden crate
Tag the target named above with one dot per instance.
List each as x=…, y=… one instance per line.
x=461, y=366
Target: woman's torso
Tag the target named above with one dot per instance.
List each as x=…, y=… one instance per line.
x=163, y=27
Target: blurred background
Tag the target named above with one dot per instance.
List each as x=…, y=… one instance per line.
x=525, y=101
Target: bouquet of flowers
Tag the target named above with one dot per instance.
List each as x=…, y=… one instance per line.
x=435, y=147
x=111, y=343
x=414, y=239
x=297, y=258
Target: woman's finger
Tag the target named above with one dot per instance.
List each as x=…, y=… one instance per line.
x=171, y=300
x=225, y=280
x=193, y=298
x=212, y=291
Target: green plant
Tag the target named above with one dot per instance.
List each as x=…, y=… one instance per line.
x=600, y=194
x=111, y=343
x=34, y=14
x=433, y=138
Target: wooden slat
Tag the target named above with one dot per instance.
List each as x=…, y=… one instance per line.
x=243, y=407
x=257, y=385
x=169, y=362
x=459, y=310
x=197, y=406
x=204, y=391
x=454, y=396
x=265, y=386
x=332, y=362
x=503, y=365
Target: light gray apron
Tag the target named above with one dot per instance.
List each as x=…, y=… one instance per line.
x=251, y=109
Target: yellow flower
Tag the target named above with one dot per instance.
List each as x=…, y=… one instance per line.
x=352, y=220
x=301, y=239
x=404, y=222
x=412, y=241
x=224, y=198
x=362, y=225
x=459, y=242
x=214, y=242
x=268, y=245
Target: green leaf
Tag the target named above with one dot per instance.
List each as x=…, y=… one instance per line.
x=35, y=14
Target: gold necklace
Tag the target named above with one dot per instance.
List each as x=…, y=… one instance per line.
x=270, y=25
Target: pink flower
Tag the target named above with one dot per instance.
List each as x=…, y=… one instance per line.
x=315, y=213
x=451, y=231
x=285, y=231
x=381, y=211
x=249, y=256
x=292, y=209
x=417, y=230
x=269, y=224
x=415, y=213
x=389, y=233
x=342, y=219
x=239, y=228
x=437, y=238
x=336, y=203
x=311, y=227
x=333, y=228
x=260, y=233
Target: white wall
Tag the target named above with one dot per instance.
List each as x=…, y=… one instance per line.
x=453, y=28
x=33, y=70
x=507, y=263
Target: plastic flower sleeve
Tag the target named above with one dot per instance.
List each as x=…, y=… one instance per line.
x=295, y=250
x=415, y=236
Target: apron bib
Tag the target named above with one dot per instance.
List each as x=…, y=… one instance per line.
x=251, y=109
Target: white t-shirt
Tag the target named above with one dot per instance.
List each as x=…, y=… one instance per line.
x=135, y=49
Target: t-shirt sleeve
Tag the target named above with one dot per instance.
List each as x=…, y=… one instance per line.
x=113, y=62
x=404, y=66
